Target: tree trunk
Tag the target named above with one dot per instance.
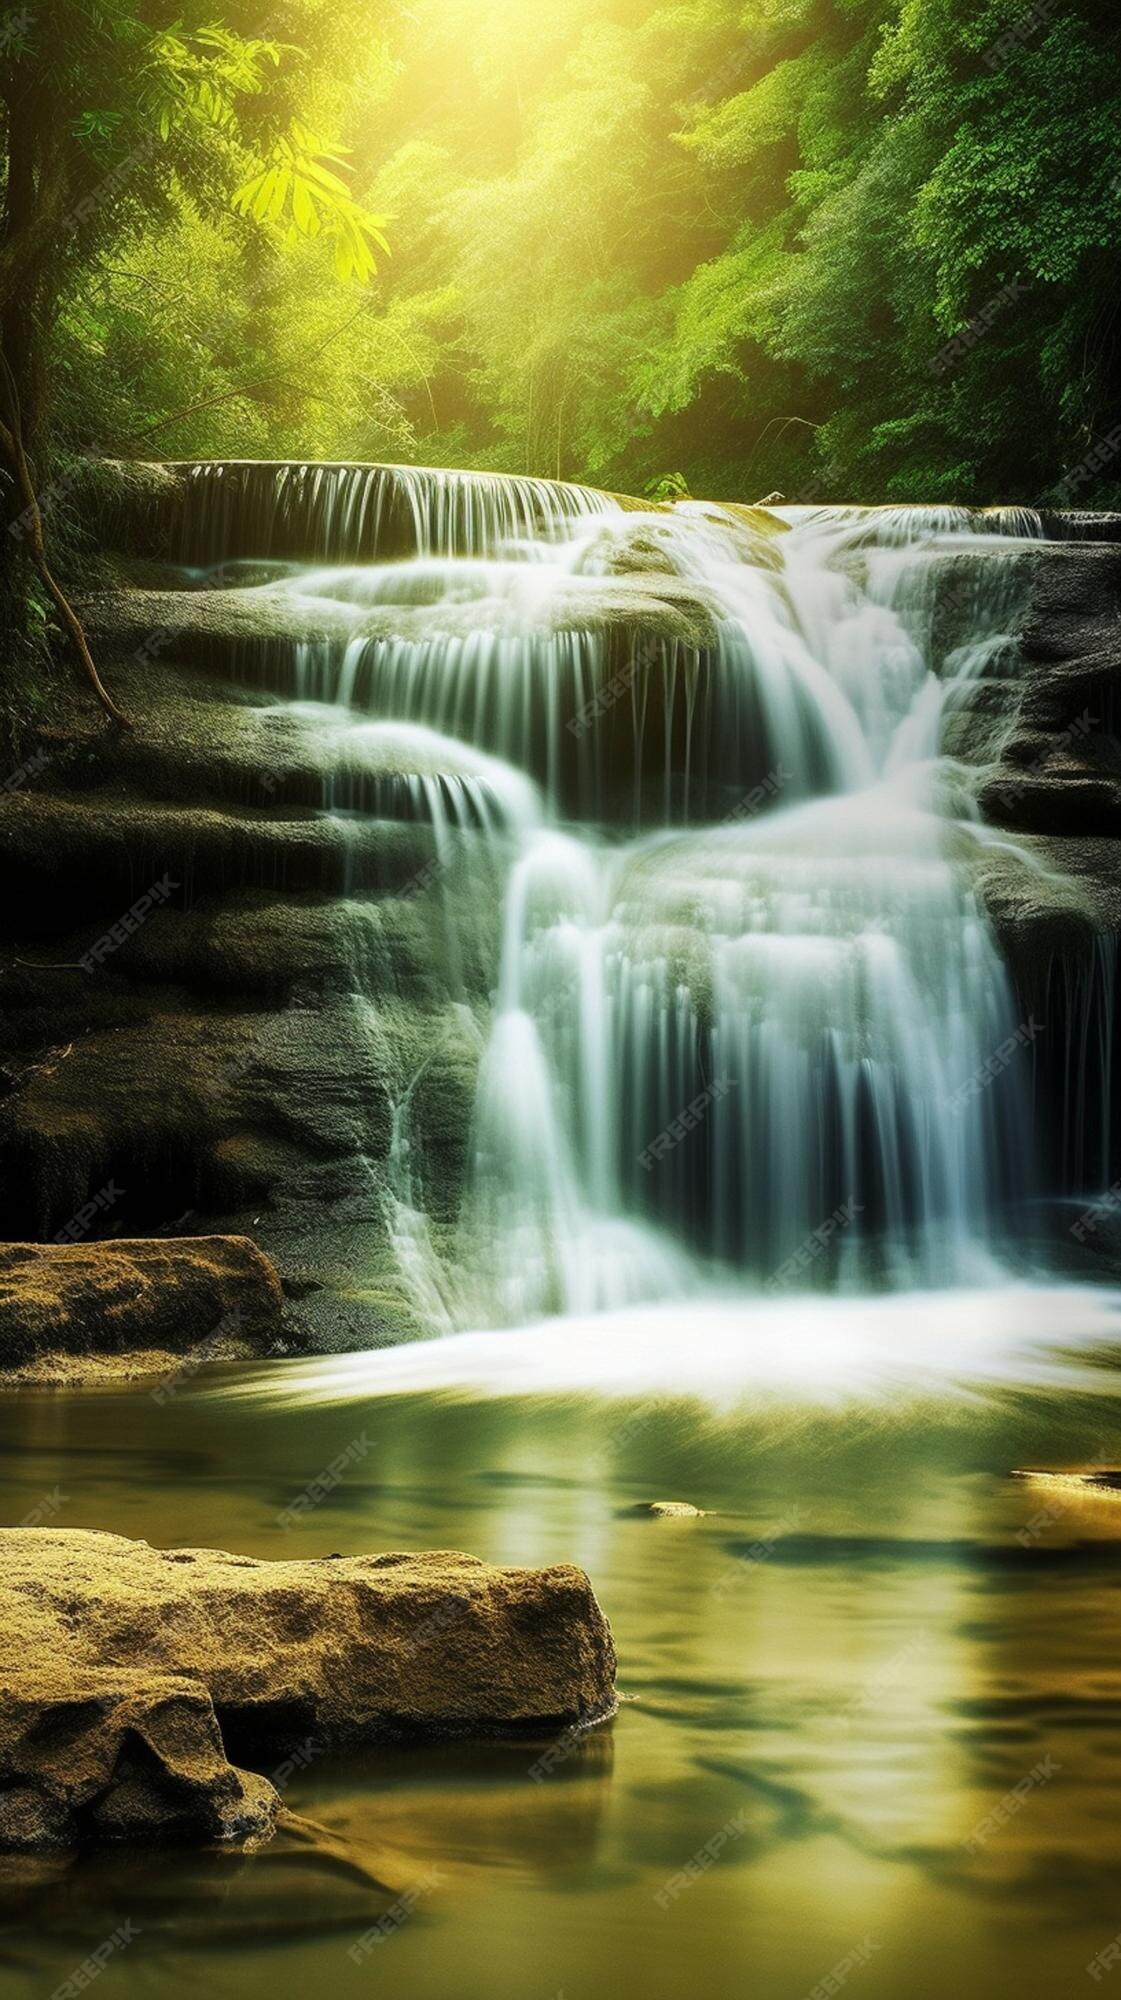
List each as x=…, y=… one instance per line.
x=33, y=215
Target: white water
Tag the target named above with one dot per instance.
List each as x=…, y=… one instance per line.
x=922, y=1348
x=362, y=508
x=754, y=1038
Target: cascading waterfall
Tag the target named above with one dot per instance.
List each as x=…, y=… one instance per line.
x=747, y=996
x=316, y=510
x=765, y=1037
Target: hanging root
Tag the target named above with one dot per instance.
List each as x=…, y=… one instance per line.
x=11, y=443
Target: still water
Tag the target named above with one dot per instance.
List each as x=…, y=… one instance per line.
x=875, y=1633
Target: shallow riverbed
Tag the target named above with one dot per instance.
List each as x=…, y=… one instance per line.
x=874, y=1634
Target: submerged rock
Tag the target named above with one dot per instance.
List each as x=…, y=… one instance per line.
x=158, y=1667
x=84, y=1302
x=671, y=1510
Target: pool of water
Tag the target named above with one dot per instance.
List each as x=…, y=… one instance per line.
x=876, y=1634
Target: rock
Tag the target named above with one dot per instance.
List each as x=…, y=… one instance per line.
x=1092, y=1482
x=276, y=507
x=299, y=966
x=274, y=1117
x=356, y=1648
x=158, y=1297
x=90, y=1755
x=772, y=500
x=1078, y=525
x=671, y=1510
x=94, y=859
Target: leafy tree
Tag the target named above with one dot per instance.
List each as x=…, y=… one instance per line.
x=836, y=247
x=107, y=122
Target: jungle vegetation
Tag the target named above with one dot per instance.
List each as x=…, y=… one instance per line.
x=842, y=248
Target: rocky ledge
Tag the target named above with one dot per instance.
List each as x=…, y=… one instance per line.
x=137, y=1682
x=78, y=1310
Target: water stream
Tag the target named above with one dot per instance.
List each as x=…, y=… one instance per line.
x=746, y=989
x=748, y=1223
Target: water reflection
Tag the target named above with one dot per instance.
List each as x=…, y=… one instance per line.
x=853, y=1660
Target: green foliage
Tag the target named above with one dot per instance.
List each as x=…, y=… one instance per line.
x=296, y=191
x=668, y=486
x=199, y=78
x=737, y=237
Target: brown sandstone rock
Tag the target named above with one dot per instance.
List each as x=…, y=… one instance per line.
x=119, y=1756
x=126, y=1297
x=130, y=1675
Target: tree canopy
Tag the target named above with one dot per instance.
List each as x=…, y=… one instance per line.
x=846, y=248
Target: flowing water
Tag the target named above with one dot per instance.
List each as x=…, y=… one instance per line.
x=748, y=1223
x=874, y=1635
x=745, y=986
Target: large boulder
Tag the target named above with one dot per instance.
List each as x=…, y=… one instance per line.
x=131, y=1675
x=80, y=1301
x=356, y=1648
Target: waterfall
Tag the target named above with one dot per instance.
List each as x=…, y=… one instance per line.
x=750, y=1026
x=763, y=1045
x=358, y=512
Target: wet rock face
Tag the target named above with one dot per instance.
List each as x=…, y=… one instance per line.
x=187, y=937
x=76, y=1303
x=245, y=979
x=164, y=1665
x=1052, y=781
